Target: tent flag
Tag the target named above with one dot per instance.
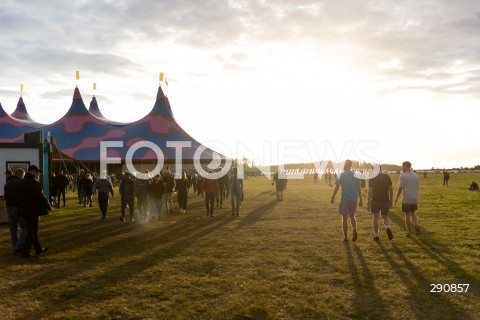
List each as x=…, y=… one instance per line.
x=94, y=86
x=21, y=87
x=77, y=74
x=162, y=76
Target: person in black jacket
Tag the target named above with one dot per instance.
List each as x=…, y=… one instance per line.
x=104, y=187
x=181, y=185
x=127, y=195
x=60, y=184
x=12, y=198
x=87, y=190
x=32, y=203
x=156, y=190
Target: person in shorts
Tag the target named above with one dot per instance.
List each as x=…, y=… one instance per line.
x=379, y=201
x=408, y=185
x=351, y=190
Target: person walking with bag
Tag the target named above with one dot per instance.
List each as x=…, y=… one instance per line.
x=32, y=205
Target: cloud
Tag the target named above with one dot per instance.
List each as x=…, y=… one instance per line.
x=52, y=37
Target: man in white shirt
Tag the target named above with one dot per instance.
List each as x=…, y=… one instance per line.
x=408, y=184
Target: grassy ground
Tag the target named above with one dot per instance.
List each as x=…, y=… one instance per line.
x=276, y=261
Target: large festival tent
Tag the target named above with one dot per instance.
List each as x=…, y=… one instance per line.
x=77, y=135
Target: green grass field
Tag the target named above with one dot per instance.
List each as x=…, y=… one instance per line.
x=276, y=261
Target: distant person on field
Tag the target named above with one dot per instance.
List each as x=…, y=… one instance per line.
x=127, y=196
x=169, y=181
x=199, y=184
x=181, y=185
x=60, y=184
x=446, y=177
x=88, y=190
x=351, y=191
x=209, y=189
x=379, y=201
x=80, y=187
x=222, y=184
x=53, y=190
x=315, y=177
x=280, y=181
x=235, y=188
x=194, y=182
x=156, y=190
x=141, y=187
x=408, y=184
x=474, y=186
x=104, y=188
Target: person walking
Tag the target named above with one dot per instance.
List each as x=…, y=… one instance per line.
x=169, y=189
x=88, y=190
x=199, y=184
x=104, y=188
x=12, y=200
x=408, y=185
x=60, y=184
x=156, y=190
x=142, y=186
x=379, y=201
x=235, y=188
x=446, y=177
x=194, y=183
x=181, y=186
x=209, y=189
x=223, y=186
x=32, y=204
x=351, y=191
x=280, y=181
x=80, y=187
x=127, y=196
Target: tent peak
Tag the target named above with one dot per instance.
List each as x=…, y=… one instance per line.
x=160, y=94
x=76, y=94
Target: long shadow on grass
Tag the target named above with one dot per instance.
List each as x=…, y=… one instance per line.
x=421, y=301
x=256, y=214
x=431, y=247
x=368, y=303
x=135, y=256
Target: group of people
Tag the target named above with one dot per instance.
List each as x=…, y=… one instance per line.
x=379, y=200
x=58, y=188
x=25, y=202
x=153, y=195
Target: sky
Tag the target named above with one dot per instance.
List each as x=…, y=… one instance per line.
x=275, y=81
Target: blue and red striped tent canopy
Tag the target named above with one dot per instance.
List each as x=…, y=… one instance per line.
x=80, y=131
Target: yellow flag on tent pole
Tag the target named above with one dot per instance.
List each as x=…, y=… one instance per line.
x=94, y=86
x=21, y=87
x=77, y=74
x=162, y=76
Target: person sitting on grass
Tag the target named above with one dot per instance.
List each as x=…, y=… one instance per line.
x=474, y=186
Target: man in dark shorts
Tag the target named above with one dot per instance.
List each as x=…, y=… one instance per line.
x=380, y=200
x=408, y=184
